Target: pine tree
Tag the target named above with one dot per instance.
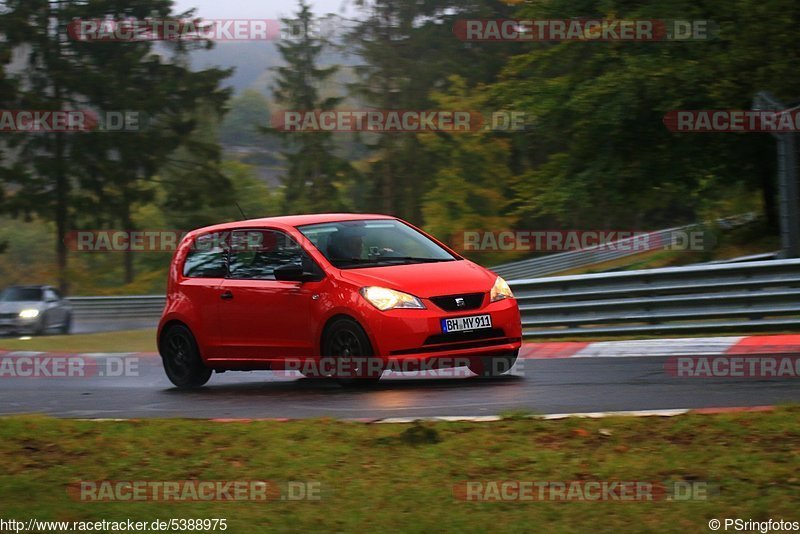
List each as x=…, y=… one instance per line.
x=99, y=177
x=315, y=175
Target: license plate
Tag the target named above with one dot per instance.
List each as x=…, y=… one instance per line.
x=464, y=324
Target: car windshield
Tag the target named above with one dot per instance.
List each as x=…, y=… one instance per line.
x=21, y=294
x=373, y=243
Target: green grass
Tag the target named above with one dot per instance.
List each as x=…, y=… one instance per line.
x=125, y=341
x=400, y=477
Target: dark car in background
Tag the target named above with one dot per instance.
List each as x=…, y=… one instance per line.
x=34, y=310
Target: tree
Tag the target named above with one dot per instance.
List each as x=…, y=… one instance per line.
x=65, y=176
x=472, y=182
x=600, y=155
x=315, y=175
x=41, y=168
x=408, y=50
x=7, y=92
x=249, y=114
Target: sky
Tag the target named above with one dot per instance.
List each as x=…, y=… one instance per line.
x=260, y=9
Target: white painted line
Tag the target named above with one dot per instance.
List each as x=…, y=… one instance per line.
x=600, y=415
x=100, y=355
x=547, y=417
x=494, y=418
x=449, y=419
x=706, y=346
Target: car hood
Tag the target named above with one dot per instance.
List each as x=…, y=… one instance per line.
x=12, y=307
x=426, y=279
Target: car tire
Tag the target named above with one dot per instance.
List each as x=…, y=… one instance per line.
x=67, y=326
x=494, y=366
x=181, y=358
x=345, y=338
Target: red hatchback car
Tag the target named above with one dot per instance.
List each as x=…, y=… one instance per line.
x=345, y=296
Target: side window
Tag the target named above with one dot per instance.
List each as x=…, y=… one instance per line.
x=206, y=259
x=255, y=254
x=50, y=295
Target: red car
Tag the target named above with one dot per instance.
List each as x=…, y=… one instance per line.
x=345, y=296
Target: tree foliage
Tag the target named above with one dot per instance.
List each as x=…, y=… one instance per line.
x=315, y=175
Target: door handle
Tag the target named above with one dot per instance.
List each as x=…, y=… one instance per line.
x=226, y=296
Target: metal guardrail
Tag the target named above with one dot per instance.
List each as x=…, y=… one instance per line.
x=707, y=298
x=149, y=306
x=753, y=257
x=751, y=296
x=574, y=259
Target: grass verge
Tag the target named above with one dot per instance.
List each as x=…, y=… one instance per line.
x=124, y=341
x=401, y=477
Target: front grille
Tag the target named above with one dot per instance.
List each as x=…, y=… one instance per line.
x=457, y=337
x=8, y=315
x=470, y=301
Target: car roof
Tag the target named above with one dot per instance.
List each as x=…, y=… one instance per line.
x=293, y=221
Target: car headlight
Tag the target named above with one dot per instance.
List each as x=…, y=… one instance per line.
x=29, y=314
x=501, y=290
x=389, y=299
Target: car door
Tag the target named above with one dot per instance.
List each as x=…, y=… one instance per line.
x=52, y=315
x=55, y=314
x=262, y=318
x=204, y=270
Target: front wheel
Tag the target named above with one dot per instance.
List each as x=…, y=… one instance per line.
x=347, y=347
x=493, y=366
x=181, y=357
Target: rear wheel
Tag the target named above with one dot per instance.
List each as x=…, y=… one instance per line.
x=181, y=357
x=492, y=366
x=347, y=349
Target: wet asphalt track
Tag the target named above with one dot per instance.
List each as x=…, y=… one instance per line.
x=537, y=386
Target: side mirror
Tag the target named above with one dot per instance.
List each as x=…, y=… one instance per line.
x=290, y=273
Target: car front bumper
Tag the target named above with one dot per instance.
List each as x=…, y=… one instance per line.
x=409, y=338
x=18, y=325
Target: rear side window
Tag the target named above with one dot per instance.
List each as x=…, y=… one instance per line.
x=206, y=259
x=255, y=254
x=50, y=295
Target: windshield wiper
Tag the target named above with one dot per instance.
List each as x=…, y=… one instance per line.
x=386, y=259
x=351, y=261
x=416, y=260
